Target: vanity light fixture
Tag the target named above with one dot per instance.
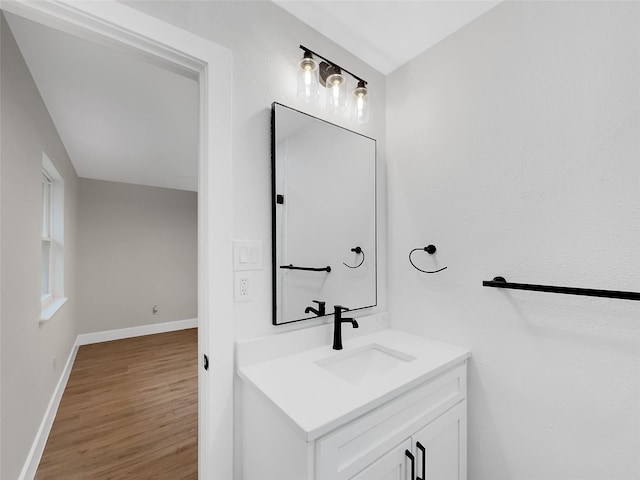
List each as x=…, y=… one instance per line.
x=331, y=77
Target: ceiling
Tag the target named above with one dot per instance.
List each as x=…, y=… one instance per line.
x=120, y=118
x=386, y=34
x=126, y=120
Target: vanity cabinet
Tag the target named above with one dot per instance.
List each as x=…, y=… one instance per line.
x=434, y=452
x=429, y=420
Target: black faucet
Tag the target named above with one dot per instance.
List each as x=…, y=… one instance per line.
x=320, y=311
x=337, y=325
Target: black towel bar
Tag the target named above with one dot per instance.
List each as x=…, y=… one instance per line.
x=500, y=282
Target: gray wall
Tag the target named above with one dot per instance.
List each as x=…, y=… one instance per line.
x=28, y=348
x=514, y=147
x=137, y=247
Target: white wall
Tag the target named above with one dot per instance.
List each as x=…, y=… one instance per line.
x=513, y=146
x=28, y=348
x=137, y=247
x=264, y=41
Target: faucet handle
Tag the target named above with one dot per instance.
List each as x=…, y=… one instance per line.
x=340, y=308
x=321, y=307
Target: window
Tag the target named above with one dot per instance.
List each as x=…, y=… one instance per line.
x=47, y=190
x=52, y=237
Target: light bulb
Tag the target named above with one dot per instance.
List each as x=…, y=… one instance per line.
x=337, y=93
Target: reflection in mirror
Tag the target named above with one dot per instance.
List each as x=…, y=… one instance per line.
x=324, y=217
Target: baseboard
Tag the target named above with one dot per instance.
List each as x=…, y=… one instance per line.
x=109, y=335
x=37, y=448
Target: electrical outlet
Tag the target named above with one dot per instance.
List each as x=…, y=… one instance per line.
x=243, y=287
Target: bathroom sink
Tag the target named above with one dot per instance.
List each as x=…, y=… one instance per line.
x=365, y=363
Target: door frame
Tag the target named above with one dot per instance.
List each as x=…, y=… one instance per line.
x=150, y=39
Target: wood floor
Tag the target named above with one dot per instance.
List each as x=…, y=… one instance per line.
x=130, y=411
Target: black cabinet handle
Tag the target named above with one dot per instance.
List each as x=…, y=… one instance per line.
x=424, y=461
x=413, y=463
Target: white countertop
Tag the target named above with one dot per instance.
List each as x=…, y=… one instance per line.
x=318, y=401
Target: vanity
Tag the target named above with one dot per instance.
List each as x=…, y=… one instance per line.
x=390, y=405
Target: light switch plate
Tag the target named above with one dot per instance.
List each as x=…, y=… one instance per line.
x=247, y=255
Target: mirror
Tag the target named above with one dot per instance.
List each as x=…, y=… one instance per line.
x=324, y=217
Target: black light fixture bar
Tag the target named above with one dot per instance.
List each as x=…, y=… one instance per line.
x=333, y=63
x=500, y=282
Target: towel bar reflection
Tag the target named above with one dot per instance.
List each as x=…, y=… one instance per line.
x=500, y=282
x=307, y=269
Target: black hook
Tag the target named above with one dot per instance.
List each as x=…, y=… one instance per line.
x=357, y=251
x=430, y=249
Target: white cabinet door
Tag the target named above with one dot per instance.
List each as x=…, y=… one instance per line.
x=441, y=447
x=393, y=465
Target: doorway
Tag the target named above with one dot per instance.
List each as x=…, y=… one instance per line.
x=123, y=28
